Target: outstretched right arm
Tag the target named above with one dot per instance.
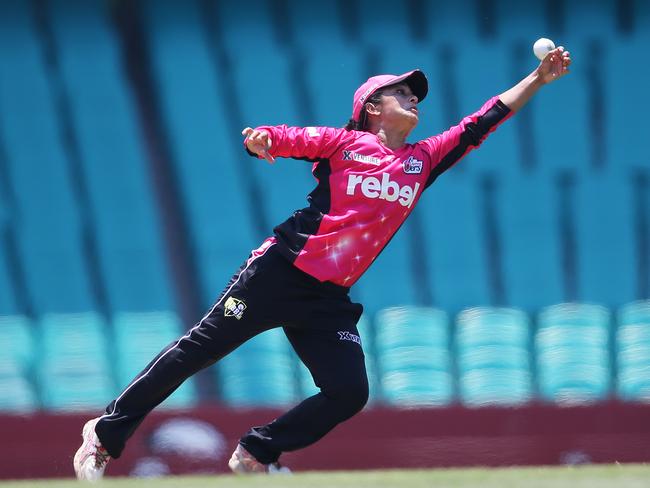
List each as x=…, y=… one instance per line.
x=309, y=143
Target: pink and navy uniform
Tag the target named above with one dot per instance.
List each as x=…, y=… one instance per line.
x=299, y=279
x=365, y=190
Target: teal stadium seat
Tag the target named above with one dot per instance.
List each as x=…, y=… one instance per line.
x=633, y=352
x=521, y=22
x=8, y=296
x=47, y=222
x=242, y=32
x=74, y=366
x=252, y=90
x=493, y=357
x=16, y=365
x=195, y=116
x=413, y=356
x=283, y=186
x=117, y=176
x=332, y=67
x=333, y=75
x=627, y=100
x=326, y=35
x=606, y=238
x=483, y=69
x=455, y=242
x=8, y=302
x=573, y=121
x=588, y=19
x=206, y=153
x=641, y=12
x=261, y=372
x=528, y=210
x=447, y=19
x=378, y=30
x=573, y=355
x=18, y=339
x=589, y=27
x=139, y=337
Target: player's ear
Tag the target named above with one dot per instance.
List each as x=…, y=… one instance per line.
x=372, y=108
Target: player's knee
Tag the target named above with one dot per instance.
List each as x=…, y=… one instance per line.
x=359, y=398
x=351, y=395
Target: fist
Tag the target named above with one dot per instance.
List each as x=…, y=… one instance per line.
x=554, y=65
x=258, y=142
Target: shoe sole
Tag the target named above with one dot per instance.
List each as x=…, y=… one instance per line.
x=76, y=463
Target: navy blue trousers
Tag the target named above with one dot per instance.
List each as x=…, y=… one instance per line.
x=319, y=320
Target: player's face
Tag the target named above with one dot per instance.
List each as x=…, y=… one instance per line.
x=399, y=103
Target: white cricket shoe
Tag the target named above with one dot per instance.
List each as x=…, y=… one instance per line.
x=91, y=458
x=243, y=462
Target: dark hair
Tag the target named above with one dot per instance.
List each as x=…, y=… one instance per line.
x=362, y=123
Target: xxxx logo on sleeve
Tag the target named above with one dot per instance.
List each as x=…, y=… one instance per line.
x=234, y=307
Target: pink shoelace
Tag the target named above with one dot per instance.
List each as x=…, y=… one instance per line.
x=101, y=457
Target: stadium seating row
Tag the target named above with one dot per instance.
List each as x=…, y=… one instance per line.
x=87, y=228
x=527, y=221
x=415, y=356
x=368, y=21
x=73, y=362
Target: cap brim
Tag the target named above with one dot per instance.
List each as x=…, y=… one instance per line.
x=418, y=83
x=416, y=80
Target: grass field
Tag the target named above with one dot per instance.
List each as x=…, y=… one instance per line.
x=600, y=476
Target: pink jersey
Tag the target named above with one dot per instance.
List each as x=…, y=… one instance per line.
x=365, y=190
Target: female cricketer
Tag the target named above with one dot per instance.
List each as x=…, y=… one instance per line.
x=369, y=181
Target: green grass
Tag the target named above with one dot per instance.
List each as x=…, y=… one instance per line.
x=598, y=476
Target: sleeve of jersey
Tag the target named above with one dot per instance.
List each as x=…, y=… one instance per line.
x=309, y=143
x=448, y=148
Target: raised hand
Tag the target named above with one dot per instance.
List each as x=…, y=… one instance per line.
x=554, y=65
x=258, y=142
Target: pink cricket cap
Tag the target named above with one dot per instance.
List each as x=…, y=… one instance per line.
x=415, y=79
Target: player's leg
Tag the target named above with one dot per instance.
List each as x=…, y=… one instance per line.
x=336, y=361
x=232, y=320
x=205, y=343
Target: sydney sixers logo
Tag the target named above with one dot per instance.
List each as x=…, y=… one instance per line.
x=412, y=166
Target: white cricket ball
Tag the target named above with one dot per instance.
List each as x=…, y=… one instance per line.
x=542, y=47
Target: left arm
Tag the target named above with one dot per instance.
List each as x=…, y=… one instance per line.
x=449, y=147
x=553, y=66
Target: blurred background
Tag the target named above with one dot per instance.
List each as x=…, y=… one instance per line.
x=127, y=200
